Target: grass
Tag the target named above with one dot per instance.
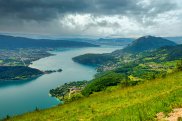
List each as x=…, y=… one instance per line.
x=138, y=103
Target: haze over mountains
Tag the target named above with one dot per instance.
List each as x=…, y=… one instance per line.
x=22, y=42
x=177, y=40
x=8, y=41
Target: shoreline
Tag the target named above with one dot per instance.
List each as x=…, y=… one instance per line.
x=54, y=101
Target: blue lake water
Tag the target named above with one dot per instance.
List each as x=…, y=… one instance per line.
x=24, y=96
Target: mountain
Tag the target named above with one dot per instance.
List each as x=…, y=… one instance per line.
x=22, y=42
x=147, y=43
x=139, y=45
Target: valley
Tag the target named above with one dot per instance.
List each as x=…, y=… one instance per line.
x=91, y=60
x=117, y=70
x=32, y=93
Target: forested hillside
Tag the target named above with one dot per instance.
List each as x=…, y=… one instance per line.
x=18, y=73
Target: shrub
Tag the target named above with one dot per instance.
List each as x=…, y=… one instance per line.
x=101, y=83
x=73, y=97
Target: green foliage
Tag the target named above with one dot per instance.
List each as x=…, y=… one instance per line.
x=62, y=90
x=148, y=74
x=94, y=59
x=17, y=72
x=167, y=53
x=100, y=74
x=102, y=83
x=125, y=69
x=142, y=71
x=73, y=97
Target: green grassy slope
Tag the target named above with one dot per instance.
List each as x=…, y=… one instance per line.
x=141, y=102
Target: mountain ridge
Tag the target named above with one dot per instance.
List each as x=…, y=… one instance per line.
x=23, y=42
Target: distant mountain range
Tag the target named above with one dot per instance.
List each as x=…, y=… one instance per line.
x=104, y=41
x=114, y=41
x=22, y=42
x=7, y=41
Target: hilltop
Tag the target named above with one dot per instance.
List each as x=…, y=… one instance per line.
x=146, y=43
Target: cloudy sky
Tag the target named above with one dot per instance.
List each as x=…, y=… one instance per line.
x=92, y=18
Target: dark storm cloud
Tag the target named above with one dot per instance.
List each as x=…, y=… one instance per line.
x=91, y=17
x=41, y=10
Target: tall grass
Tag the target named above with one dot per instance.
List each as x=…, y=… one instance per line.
x=138, y=103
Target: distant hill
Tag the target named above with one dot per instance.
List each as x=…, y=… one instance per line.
x=177, y=40
x=104, y=41
x=22, y=42
x=148, y=43
x=93, y=59
x=18, y=73
x=114, y=41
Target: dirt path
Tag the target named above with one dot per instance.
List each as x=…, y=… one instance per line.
x=175, y=115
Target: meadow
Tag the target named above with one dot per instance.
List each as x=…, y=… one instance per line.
x=135, y=103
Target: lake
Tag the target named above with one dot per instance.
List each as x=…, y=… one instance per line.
x=18, y=97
